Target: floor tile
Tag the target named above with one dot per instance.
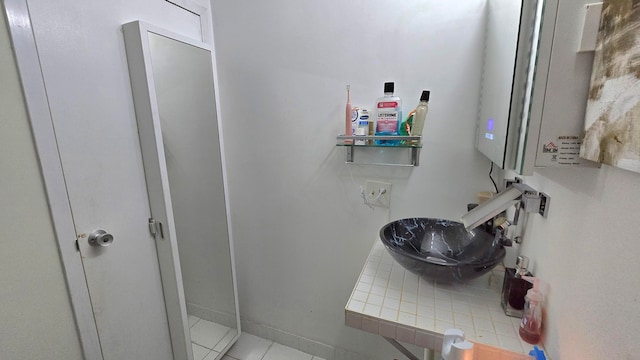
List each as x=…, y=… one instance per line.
x=281, y=352
x=249, y=347
x=199, y=352
x=226, y=340
x=193, y=320
x=212, y=355
x=208, y=334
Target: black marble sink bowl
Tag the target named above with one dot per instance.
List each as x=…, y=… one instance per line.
x=440, y=249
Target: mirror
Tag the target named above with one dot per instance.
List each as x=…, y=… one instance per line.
x=186, y=159
x=512, y=35
x=183, y=79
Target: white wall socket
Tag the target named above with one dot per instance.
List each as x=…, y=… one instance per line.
x=378, y=193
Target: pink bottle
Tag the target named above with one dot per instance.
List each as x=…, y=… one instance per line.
x=531, y=325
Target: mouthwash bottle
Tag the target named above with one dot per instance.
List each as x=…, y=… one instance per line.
x=388, y=115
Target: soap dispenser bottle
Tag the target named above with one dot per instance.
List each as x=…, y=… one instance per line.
x=531, y=324
x=455, y=347
x=514, y=287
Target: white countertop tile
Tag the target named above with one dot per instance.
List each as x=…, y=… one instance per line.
x=388, y=300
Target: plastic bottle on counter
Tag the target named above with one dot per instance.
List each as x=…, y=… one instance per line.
x=531, y=324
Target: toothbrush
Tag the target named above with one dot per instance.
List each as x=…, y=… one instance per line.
x=348, y=131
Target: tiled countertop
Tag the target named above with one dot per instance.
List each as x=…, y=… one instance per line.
x=389, y=301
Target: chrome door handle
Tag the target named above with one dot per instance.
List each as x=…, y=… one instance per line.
x=100, y=238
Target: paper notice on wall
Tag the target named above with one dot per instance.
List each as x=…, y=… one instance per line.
x=564, y=150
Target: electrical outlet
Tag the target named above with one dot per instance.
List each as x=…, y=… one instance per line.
x=378, y=193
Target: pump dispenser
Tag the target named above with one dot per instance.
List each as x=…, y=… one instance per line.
x=455, y=347
x=531, y=325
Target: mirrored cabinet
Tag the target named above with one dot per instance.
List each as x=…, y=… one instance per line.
x=534, y=86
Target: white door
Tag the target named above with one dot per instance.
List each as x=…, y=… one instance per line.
x=91, y=110
x=72, y=61
x=101, y=162
x=123, y=278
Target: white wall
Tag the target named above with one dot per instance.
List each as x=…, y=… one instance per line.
x=300, y=229
x=587, y=250
x=37, y=322
x=283, y=68
x=588, y=246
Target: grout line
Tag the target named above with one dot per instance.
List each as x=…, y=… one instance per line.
x=195, y=322
x=266, y=352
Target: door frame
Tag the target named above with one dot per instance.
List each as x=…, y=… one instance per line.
x=37, y=105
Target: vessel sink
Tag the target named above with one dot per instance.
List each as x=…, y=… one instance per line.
x=441, y=249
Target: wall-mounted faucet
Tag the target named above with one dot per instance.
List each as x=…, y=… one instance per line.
x=523, y=196
x=501, y=229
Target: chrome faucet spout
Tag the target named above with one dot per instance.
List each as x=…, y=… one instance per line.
x=519, y=194
x=491, y=208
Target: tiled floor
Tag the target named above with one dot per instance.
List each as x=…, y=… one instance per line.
x=208, y=338
x=205, y=335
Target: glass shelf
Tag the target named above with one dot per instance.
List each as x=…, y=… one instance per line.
x=389, y=143
x=369, y=140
